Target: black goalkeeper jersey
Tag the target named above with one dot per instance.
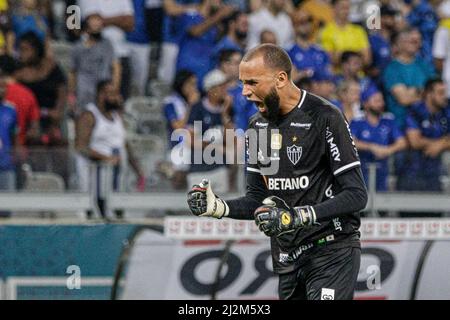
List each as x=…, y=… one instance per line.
x=299, y=158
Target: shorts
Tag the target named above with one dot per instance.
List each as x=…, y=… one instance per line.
x=328, y=274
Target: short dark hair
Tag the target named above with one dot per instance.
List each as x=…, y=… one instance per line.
x=395, y=36
x=32, y=38
x=226, y=54
x=230, y=19
x=101, y=85
x=180, y=78
x=274, y=57
x=8, y=65
x=334, y=2
x=431, y=83
x=347, y=55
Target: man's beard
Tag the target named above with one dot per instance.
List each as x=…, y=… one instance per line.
x=96, y=36
x=376, y=113
x=112, y=106
x=272, y=104
x=240, y=35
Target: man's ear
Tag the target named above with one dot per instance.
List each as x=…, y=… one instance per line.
x=282, y=79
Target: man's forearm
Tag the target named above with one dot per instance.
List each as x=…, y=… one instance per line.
x=126, y=23
x=363, y=146
x=397, y=146
x=446, y=143
x=244, y=207
x=352, y=198
x=199, y=29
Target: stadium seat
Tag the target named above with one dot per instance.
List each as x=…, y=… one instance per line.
x=44, y=182
x=144, y=107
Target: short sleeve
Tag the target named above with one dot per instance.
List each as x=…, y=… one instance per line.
x=362, y=39
x=411, y=123
x=396, y=132
x=35, y=113
x=440, y=43
x=195, y=115
x=169, y=112
x=14, y=129
x=189, y=20
x=75, y=55
x=89, y=7
x=354, y=129
x=57, y=76
x=447, y=113
x=391, y=77
x=327, y=39
x=127, y=8
x=341, y=150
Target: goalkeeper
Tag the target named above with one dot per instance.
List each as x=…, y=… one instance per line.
x=310, y=206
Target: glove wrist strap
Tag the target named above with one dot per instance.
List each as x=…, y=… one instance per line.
x=221, y=209
x=306, y=215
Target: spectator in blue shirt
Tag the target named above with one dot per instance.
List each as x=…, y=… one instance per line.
x=377, y=137
x=352, y=69
x=27, y=18
x=236, y=30
x=307, y=57
x=138, y=42
x=172, y=34
x=8, y=138
x=423, y=17
x=404, y=77
x=428, y=132
x=177, y=108
x=207, y=123
x=323, y=84
x=241, y=112
x=242, y=109
x=380, y=43
x=201, y=32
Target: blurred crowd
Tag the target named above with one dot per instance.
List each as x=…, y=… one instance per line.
x=385, y=64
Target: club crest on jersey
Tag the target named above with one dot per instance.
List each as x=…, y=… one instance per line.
x=294, y=153
x=275, y=142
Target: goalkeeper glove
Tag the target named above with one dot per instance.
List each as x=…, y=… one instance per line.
x=276, y=218
x=203, y=202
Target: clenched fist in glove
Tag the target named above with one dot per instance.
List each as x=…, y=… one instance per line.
x=203, y=202
x=276, y=218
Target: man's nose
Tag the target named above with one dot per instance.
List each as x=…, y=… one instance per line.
x=246, y=91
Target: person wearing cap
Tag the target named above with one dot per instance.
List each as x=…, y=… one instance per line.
x=207, y=123
x=377, y=137
x=322, y=84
